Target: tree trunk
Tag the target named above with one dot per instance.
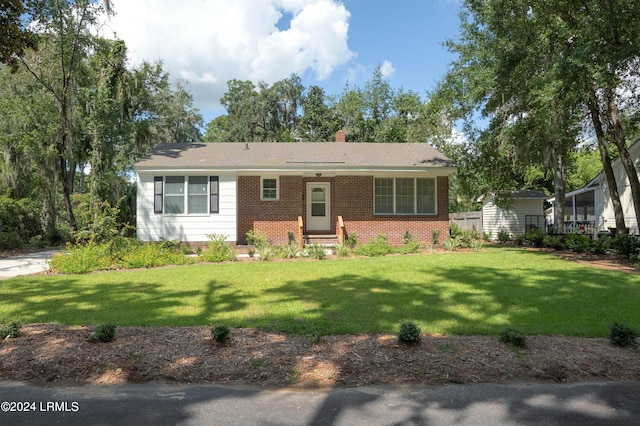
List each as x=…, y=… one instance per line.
x=603, y=147
x=559, y=187
x=625, y=157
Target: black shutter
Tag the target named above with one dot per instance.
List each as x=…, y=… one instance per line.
x=214, y=198
x=158, y=183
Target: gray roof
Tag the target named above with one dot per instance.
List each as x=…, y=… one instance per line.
x=528, y=193
x=296, y=156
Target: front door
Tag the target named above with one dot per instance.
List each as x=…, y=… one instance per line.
x=318, y=206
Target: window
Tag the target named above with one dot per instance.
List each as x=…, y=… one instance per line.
x=404, y=196
x=186, y=195
x=269, y=189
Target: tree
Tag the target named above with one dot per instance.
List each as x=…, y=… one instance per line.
x=318, y=122
x=14, y=37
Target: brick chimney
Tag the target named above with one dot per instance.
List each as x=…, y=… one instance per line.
x=341, y=136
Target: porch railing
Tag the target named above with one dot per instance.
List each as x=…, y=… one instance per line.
x=300, y=233
x=340, y=230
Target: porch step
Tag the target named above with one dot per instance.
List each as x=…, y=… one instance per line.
x=323, y=239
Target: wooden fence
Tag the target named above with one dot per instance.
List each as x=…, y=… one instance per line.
x=467, y=221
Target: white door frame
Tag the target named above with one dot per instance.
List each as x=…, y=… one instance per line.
x=319, y=223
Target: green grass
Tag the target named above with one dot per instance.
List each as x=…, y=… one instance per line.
x=458, y=293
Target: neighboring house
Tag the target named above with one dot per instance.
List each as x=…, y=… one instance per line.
x=325, y=190
x=524, y=212
x=589, y=209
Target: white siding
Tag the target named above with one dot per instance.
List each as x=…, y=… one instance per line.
x=155, y=227
x=604, y=207
x=512, y=220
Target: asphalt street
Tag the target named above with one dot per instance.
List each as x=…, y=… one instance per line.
x=476, y=404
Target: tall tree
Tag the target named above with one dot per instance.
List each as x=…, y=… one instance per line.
x=15, y=38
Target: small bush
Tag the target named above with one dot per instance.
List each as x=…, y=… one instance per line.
x=317, y=251
x=577, y=243
x=218, y=250
x=622, y=335
x=555, y=243
x=256, y=238
x=409, y=333
x=266, y=252
x=82, y=259
x=535, y=238
x=410, y=246
x=221, y=333
x=351, y=241
x=341, y=250
x=512, y=336
x=10, y=330
x=625, y=245
x=104, y=333
x=477, y=245
x=435, y=236
x=454, y=230
x=451, y=244
x=289, y=251
x=503, y=236
x=378, y=246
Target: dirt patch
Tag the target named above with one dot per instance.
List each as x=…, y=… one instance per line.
x=47, y=354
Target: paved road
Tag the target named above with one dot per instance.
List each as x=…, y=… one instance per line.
x=26, y=264
x=481, y=404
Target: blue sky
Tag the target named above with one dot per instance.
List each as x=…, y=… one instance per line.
x=326, y=42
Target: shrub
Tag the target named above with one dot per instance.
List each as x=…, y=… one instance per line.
x=625, y=245
x=454, y=230
x=410, y=246
x=316, y=251
x=221, y=333
x=555, y=243
x=465, y=238
x=512, y=336
x=351, y=240
x=266, y=252
x=435, y=236
x=477, y=245
x=406, y=237
x=82, y=259
x=19, y=222
x=218, y=250
x=451, y=244
x=341, y=250
x=104, y=333
x=622, y=335
x=577, y=243
x=10, y=329
x=600, y=245
x=256, y=238
x=535, y=237
x=503, y=236
x=409, y=333
x=378, y=246
x=289, y=251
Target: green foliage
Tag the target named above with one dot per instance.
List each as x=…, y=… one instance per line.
x=622, y=335
x=451, y=244
x=120, y=252
x=104, y=333
x=351, y=241
x=266, y=252
x=289, y=251
x=10, y=330
x=477, y=245
x=454, y=230
x=535, y=238
x=406, y=237
x=97, y=222
x=218, y=250
x=554, y=242
x=316, y=251
x=221, y=333
x=625, y=245
x=577, y=243
x=19, y=223
x=410, y=246
x=512, y=336
x=409, y=333
x=256, y=238
x=466, y=238
x=503, y=236
x=341, y=250
x=435, y=236
x=378, y=246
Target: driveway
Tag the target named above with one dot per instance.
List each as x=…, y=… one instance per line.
x=25, y=264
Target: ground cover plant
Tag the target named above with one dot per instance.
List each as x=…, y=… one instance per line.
x=463, y=293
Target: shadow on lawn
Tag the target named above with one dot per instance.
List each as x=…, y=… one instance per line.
x=454, y=299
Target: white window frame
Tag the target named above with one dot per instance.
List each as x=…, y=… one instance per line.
x=185, y=195
x=277, y=188
x=415, y=196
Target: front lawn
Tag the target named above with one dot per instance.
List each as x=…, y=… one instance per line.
x=450, y=293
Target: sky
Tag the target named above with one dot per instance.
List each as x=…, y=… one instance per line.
x=328, y=43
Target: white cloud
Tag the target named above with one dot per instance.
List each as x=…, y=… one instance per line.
x=209, y=42
x=387, y=69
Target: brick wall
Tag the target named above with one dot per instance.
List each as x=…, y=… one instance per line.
x=351, y=197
